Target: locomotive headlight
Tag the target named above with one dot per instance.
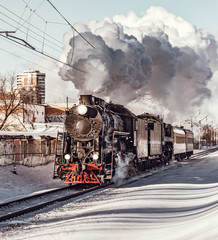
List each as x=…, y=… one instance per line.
x=95, y=156
x=82, y=109
x=67, y=156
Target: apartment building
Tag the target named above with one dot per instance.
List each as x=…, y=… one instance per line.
x=35, y=81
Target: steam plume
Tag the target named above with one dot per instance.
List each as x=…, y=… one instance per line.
x=158, y=55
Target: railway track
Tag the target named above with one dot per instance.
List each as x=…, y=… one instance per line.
x=203, y=153
x=35, y=202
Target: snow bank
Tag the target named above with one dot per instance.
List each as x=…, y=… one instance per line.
x=27, y=181
x=177, y=204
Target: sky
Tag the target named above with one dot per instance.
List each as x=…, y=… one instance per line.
x=186, y=26
x=201, y=13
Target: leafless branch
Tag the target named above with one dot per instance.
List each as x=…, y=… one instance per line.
x=12, y=98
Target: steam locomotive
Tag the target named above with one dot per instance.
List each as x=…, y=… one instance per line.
x=100, y=136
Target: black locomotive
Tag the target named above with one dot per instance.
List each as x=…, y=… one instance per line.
x=99, y=135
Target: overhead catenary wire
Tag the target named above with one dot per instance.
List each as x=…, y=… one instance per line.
x=73, y=47
x=30, y=24
x=43, y=43
x=17, y=28
x=27, y=49
x=70, y=23
x=34, y=12
x=30, y=31
x=55, y=59
x=40, y=41
x=27, y=33
x=27, y=60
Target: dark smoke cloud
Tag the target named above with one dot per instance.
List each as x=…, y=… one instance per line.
x=109, y=72
x=158, y=63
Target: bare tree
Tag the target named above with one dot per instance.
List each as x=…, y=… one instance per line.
x=12, y=99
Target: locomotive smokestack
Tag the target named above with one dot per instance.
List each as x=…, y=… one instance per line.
x=91, y=100
x=85, y=99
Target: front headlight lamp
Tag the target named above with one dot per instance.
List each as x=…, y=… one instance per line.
x=95, y=156
x=67, y=156
x=82, y=109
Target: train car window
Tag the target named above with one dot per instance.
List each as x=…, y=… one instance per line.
x=151, y=126
x=135, y=125
x=167, y=131
x=190, y=140
x=180, y=139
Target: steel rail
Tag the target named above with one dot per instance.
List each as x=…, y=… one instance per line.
x=204, y=153
x=38, y=195
x=47, y=203
x=69, y=196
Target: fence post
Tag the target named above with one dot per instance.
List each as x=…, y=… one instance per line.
x=41, y=158
x=4, y=158
x=20, y=150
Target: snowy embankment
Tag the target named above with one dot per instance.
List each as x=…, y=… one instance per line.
x=179, y=203
x=26, y=181
x=30, y=161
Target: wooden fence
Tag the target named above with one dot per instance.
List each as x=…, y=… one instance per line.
x=27, y=151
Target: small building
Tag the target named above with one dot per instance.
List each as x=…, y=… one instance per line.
x=55, y=112
x=25, y=115
x=29, y=94
x=26, y=102
x=27, y=148
x=209, y=135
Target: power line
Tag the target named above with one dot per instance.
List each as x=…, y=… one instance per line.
x=30, y=36
x=43, y=54
x=34, y=11
x=29, y=51
x=26, y=60
x=70, y=24
x=30, y=31
x=21, y=18
x=24, y=43
x=30, y=23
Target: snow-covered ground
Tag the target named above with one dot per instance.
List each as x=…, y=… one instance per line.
x=179, y=202
x=27, y=181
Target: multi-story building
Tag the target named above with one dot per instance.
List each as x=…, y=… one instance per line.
x=209, y=135
x=34, y=81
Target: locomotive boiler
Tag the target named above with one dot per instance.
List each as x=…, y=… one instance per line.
x=98, y=135
x=95, y=132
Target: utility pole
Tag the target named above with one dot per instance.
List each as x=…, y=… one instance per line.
x=200, y=131
x=211, y=133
